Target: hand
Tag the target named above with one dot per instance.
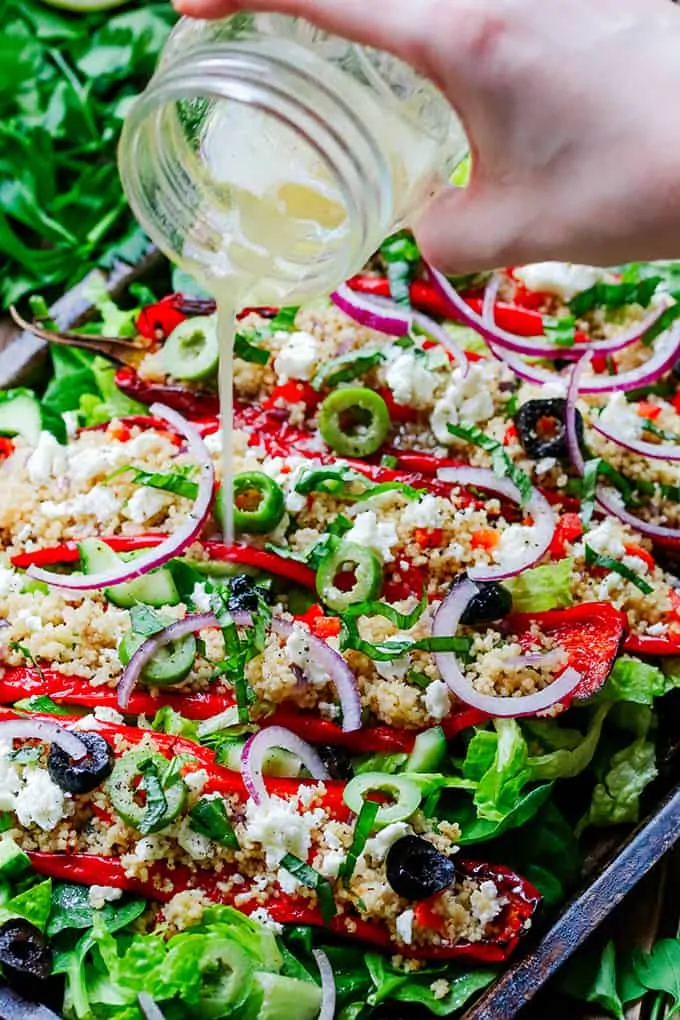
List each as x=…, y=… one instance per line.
x=571, y=111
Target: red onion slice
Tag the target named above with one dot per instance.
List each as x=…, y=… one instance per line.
x=328, y=992
x=537, y=506
x=342, y=676
x=173, y=545
x=656, y=451
x=42, y=729
x=571, y=430
x=445, y=624
x=256, y=748
x=148, y=1007
x=610, y=500
x=538, y=350
x=373, y=312
x=443, y=338
x=666, y=353
x=189, y=625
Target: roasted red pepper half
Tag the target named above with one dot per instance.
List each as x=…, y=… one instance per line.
x=424, y=297
x=190, y=403
x=20, y=682
x=244, y=555
x=591, y=634
x=522, y=899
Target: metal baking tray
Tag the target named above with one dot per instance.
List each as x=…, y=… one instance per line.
x=617, y=861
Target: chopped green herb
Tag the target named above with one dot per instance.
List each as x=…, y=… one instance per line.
x=650, y=426
x=616, y=567
x=404, y=621
x=247, y=351
x=16, y=646
x=284, y=320
x=501, y=462
x=614, y=295
x=401, y=256
x=313, y=880
x=388, y=461
x=175, y=482
x=346, y=367
x=156, y=804
x=562, y=331
x=395, y=648
x=591, y=473
x=209, y=818
x=362, y=830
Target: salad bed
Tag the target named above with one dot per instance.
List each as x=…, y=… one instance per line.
x=386, y=721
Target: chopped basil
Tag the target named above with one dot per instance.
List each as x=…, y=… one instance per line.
x=388, y=460
x=313, y=880
x=401, y=257
x=402, y=620
x=362, y=830
x=238, y=651
x=16, y=646
x=209, y=818
x=614, y=295
x=156, y=803
x=407, y=491
x=616, y=567
x=561, y=331
x=395, y=648
x=41, y=703
x=338, y=481
x=591, y=474
x=247, y=351
x=663, y=323
x=650, y=426
x=25, y=755
x=501, y=462
x=145, y=621
x=332, y=480
x=284, y=320
x=346, y=367
x=176, y=481
x=419, y=679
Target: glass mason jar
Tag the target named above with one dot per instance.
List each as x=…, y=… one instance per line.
x=277, y=157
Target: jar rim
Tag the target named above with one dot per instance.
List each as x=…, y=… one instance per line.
x=276, y=86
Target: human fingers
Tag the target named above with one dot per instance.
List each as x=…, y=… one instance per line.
x=398, y=26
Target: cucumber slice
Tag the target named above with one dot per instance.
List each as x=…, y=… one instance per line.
x=20, y=415
x=191, y=351
x=428, y=751
x=155, y=589
x=171, y=663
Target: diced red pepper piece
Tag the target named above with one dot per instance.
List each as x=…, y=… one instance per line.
x=569, y=528
x=156, y=322
x=190, y=403
x=649, y=410
x=591, y=634
x=398, y=412
x=293, y=392
x=6, y=447
x=485, y=538
x=632, y=549
x=428, y=538
x=646, y=644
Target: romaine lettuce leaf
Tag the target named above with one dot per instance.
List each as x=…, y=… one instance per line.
x=636, y=681
x=617, y=798
x=542, y=588
x=567, y=762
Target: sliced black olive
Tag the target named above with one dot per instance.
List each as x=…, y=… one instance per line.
x=416, y=869
x=86, y=774
x=492, y=602
x=25, y=953
x=337, y=761
x=542, y=430
x=242, y=594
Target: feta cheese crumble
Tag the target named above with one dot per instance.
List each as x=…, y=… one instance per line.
x=379, y=536
x=40, y=801
x=485, y=903
x=410, y=378
x=437, y=700
x=299, y=653
x=100, y=895
x=424, y=513
x=621, y=418
x=467, y=399
x=47, y=461
x=564, y=279
x=404, y=926
x=297, y=357
x=280, y=829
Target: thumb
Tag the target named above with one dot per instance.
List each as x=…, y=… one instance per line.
x=466, y=230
